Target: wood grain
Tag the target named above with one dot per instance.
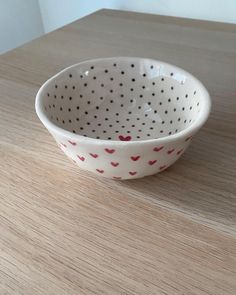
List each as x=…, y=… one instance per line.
x=63, y=231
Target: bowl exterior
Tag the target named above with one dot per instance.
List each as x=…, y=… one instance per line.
x=121, y=162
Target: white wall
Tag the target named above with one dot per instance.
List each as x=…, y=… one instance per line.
x=56, y=13
x=215, y=10
x=20, y=22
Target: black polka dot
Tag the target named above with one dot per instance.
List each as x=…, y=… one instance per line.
x=133, y=80
x=92, y=67
x=132, y=65
x=70, y=98
x=70, y=75
x=106, y=71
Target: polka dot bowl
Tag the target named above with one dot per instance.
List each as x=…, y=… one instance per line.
x=123, y=117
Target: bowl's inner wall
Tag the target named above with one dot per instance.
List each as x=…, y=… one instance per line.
x=119, y=99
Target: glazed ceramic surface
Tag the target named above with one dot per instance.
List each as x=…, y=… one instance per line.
x=123, y=117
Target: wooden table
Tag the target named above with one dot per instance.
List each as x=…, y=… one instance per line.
x=63, y=231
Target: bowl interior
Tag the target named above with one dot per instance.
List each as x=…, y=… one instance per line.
x=123, y=99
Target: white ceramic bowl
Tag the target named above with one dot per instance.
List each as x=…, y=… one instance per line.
x=123, y=117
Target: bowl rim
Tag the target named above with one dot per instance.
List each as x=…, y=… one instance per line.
x=185, y=133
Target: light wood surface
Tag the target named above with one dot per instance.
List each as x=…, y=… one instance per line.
x=63, y=231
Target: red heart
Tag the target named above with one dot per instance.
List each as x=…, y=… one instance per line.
x=81, y=158
x=135, y=158
x=93, y=155
x=124, y=138
x=170, y=151
x=114, y=164
x=72, y=142
x=132, y=173
x=152, y=162
x=62, y=144
x=188, y=138
x=100, y=171
x=180, y=151
x=116, y=177
x=157, y=149
x=162, y=167
x=110, y=151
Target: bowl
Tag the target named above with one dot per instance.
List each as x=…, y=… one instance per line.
x=123, y=117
